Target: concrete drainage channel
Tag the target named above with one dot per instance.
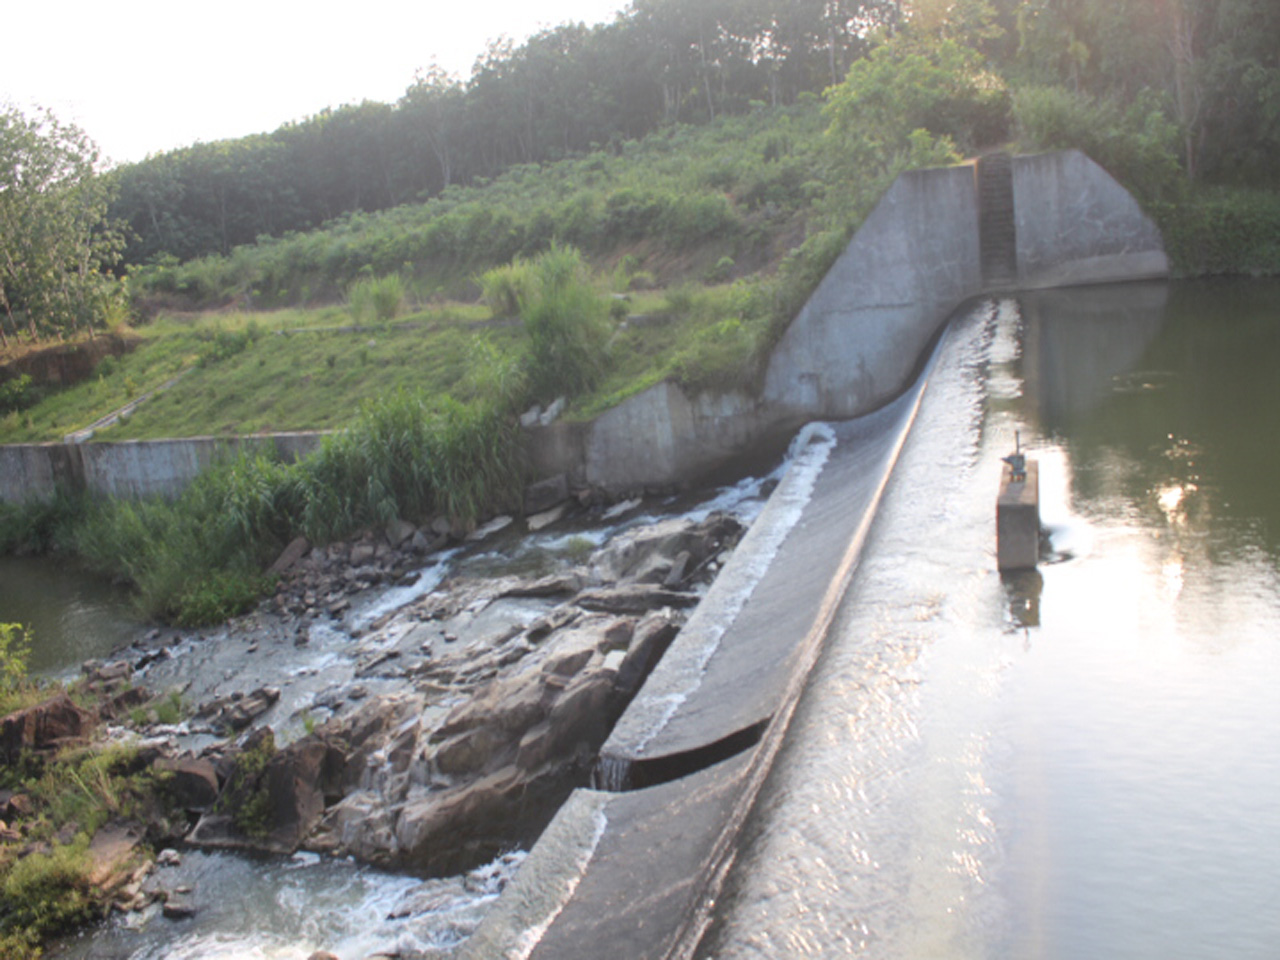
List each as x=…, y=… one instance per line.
x=626, y=867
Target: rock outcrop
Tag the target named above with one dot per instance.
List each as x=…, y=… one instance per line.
x=43, y=727
x=512, y=686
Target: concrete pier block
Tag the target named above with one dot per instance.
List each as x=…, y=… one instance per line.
x=1018, y=519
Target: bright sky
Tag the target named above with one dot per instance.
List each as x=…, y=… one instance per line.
x=143, y=76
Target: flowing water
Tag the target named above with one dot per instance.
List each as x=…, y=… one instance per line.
x=1079, y=762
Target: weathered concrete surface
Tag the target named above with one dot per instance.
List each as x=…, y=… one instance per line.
x=663, y=436
x=858, y=340
x=31, y=470
x=658, y=438
x=619, y=875
x=1077, y=225
x=751, y=639
x=133, y=468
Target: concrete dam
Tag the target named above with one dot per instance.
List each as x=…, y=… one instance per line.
x=632, y=866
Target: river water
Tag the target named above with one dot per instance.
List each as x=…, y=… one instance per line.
x=1077, y=763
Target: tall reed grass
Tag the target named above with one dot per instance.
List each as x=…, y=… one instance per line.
x=567, y=321
x=199, y=559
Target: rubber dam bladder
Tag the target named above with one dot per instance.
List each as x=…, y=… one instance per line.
x=629, y=867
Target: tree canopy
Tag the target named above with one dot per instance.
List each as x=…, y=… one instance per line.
x=1201, y=77
x=55, y=242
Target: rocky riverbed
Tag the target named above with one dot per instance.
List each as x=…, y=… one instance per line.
x=406, y=699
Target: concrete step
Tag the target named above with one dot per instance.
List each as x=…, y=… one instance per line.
x=997, y=226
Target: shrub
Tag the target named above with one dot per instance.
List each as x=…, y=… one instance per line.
x=376, y=298
x=40, y=525
x=1222, y=231
x=19, y=393
x=1137, y=144
x=503, y=288
x=45, y=893
x=566, y=320
x=15, y=654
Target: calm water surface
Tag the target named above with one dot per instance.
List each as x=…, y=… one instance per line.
x=72, y=615
x=1079, y=763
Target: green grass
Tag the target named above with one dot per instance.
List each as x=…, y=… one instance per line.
x=309, y=379
x=316, y=379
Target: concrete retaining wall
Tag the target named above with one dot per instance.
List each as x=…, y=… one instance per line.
x=1077, y=225
x=133, y=468
x=858, y=340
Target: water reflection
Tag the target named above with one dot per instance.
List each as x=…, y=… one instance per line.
x=1023, y=589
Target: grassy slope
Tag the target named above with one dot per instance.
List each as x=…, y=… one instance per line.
x=686, y=206
x=639, y=209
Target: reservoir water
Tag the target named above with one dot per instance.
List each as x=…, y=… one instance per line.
x=1079, y=762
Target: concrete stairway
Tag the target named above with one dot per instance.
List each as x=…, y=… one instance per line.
x=997, y=231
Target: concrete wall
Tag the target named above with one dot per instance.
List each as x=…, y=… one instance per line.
x=32, y=470
x=1077, y=225
x=858, y=341
x=658, y=438
x=133, y=468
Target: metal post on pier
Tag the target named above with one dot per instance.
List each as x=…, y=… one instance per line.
x=1018, y=512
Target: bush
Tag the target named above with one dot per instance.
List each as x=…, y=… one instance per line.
x=39, y=526
x=15, y=654
x=19, y=393
x=45, y=893
x=503, y=288
x=1138, y=145
x=376, y=298
x=1222, y=231
x=567, y=323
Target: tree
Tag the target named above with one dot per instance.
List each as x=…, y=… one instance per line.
x=918, y=82
x=55, y=240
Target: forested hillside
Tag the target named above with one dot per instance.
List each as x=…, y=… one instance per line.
x=576, y=135
x=1198, y=79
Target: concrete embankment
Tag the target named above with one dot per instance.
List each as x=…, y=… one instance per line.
x=132, y=469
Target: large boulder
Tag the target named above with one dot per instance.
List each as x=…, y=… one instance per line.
x=44, y=727
x=647, y=554
x=273, y=798
x=191, y=782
